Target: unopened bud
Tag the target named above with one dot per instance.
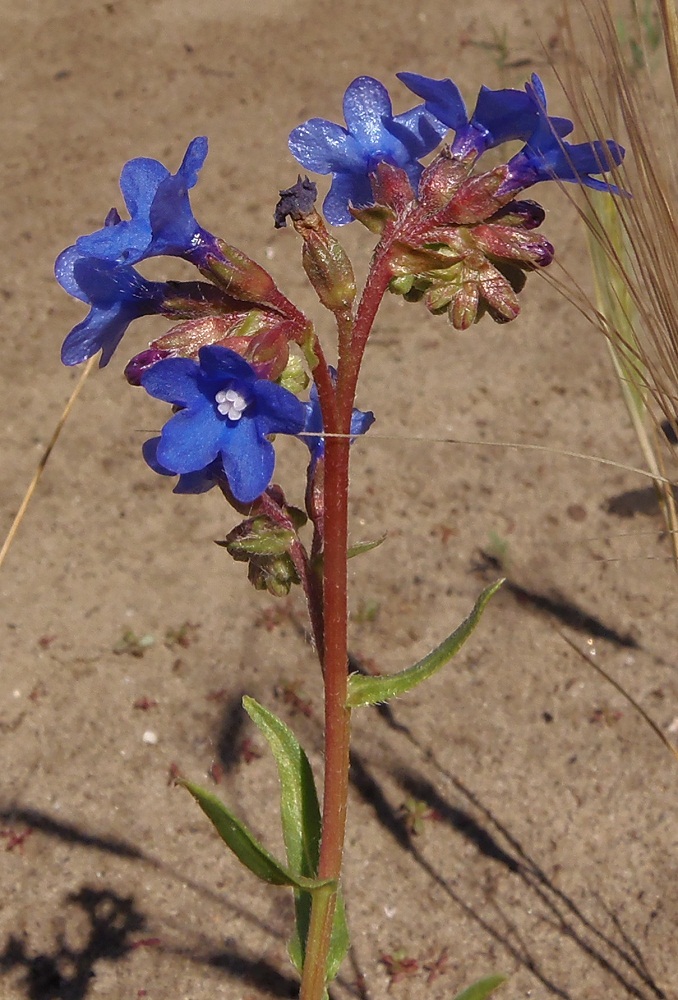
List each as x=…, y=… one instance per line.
x=326, y=263
x=240, y=276
x=476, y=199
x=443, y=177
x=265, y=546
x=257, y=536
x=140, y=363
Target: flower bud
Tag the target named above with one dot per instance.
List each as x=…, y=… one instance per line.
x=240, y=276
x=327, y=266
x=257, y=536
x=475, y=200
x=442, y=178
x=140, y=363
x=265, y=546
x=391, y=187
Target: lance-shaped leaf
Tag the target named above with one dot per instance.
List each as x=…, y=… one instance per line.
x=301, y=825
x=481, y=989
x=245, y=846
x=353, y=550
x=299, y=809
x=364, y=690
x=360, y=547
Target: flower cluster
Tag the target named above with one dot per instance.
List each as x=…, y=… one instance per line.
x=456, y=238
x=219, y=368
x=373, y=135
x=460, y=239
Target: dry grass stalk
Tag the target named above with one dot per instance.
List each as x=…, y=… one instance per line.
x=634, y=240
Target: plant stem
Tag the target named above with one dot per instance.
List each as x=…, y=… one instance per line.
x=335, y=598
x=337, y=716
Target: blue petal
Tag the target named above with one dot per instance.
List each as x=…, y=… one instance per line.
x=366, y=104
x=117, y=295
x=278, y=411
x=346, y=188
x=194, y=158
x=586, y=158
x=172, y=222
x=189, y=482
x=191, y=439
x=149, y=450
x=443, y=98
x=419, y=131
x=361, y=421
x=126, y=241
x=174, y=380
x=220, y=363
x=139, y=181
x=248, y=460
x=100, y=330
x=323, y=146
x=505, y=114
x=63, y=271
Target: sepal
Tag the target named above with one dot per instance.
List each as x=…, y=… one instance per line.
x=391, y=187
x=374, y=218
x=476, y=200
x=442, y=178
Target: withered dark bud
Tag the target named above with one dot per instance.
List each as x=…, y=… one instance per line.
x=295, y=202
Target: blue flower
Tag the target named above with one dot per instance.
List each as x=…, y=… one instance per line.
x=373, y=135
x=546, y=156
x=361, y=421
x=226, y=412
x=499, y=115
x=116, y=294
x=161, y=219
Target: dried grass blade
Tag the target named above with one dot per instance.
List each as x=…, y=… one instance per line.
x=40, y=468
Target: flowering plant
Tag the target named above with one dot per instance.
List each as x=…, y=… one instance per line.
x=233, y=367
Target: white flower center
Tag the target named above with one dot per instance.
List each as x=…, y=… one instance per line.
x=230, y=403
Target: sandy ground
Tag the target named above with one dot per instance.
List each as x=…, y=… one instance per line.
x=549, y=851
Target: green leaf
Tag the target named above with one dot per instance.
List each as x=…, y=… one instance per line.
x=340, y=940
x=482, y=988
x=354, y=550
x=299, y=809
x=301, y=824
x=360, y=547
x=370, y=690
x=244, y=845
